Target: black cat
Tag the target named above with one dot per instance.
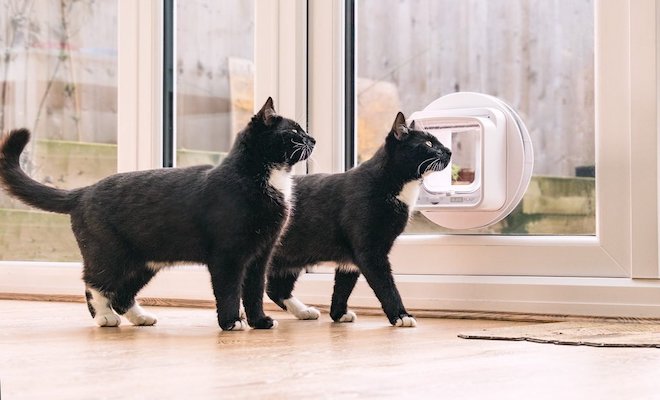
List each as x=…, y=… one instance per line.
x=352, y=219
x=130, y=225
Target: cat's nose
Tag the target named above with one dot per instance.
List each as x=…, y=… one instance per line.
x=446, y=156
x=311, y=140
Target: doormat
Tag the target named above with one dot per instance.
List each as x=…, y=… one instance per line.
x=576, y=333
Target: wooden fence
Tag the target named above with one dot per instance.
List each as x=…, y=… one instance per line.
x=538, y=55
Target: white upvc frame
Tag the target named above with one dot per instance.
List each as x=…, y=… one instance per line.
x=326, y=57
x=613, y=273
x=598, y=275
x=139, y=133
x=280, y=58
x=626, y=142
x=281, y=73
x=139, y=85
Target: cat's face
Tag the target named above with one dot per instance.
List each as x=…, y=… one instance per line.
x=416, y=152
x=278, y=140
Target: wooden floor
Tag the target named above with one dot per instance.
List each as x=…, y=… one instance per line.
x=53, y=351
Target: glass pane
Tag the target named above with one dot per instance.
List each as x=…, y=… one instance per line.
x=58, y=77
x=536, y=55
x=215, y=77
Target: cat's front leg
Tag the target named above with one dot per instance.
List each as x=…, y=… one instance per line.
x=345, y=281
x=253, y=294
x=226, y=279
x=378, y=273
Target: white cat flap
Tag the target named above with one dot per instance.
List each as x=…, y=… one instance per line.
x=491, y=164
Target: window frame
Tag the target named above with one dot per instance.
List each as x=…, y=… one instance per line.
x=140, y=85
x=613, y=273
x=626, y=124
x=280, y=48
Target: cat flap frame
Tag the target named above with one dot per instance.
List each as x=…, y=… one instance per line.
x=491, y=165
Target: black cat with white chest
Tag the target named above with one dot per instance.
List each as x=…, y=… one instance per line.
x=352, y=219
x=130, y=225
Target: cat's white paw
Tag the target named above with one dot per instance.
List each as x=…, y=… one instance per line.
x=145, y=319
x=406, y=322
x=108, y=319
x=240, y=325
x=99, y=305
x=241, y=312
x=275, y=324
x=138, y=316
x=348, y=317
x=308, y=313
x=300, y=310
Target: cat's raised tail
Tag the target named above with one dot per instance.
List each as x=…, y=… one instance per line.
x=16, y=181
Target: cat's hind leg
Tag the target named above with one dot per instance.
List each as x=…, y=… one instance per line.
x=280, y=288
x=112, y=288
x=123, y=300
x=98, y=275
x=112, y=273
x=345, y=280
x=300, y=310
x=99, y=307
x=139, y=316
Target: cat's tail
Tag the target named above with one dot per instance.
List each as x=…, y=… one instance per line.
x=16, y=182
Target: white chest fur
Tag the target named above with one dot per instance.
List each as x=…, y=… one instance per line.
x=280, y=180
x=409, y=193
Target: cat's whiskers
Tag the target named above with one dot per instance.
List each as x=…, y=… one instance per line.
x=419, y=168
x=427, y=168
x=297, y=149
x=430, y=167
x=308, y=152
x=434, y=166
x=305, y=150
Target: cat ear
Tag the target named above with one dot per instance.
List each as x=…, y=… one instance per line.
x=267, y=112
x=412, y=125
x=399, y=128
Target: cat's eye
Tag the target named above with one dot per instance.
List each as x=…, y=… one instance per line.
x=428, y=143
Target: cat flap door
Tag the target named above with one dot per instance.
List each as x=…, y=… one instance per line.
x=491, y=164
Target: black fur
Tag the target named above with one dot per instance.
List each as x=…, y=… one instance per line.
x=354, y=218
x=88, y=299
x=16, y=182
x=227, y=217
